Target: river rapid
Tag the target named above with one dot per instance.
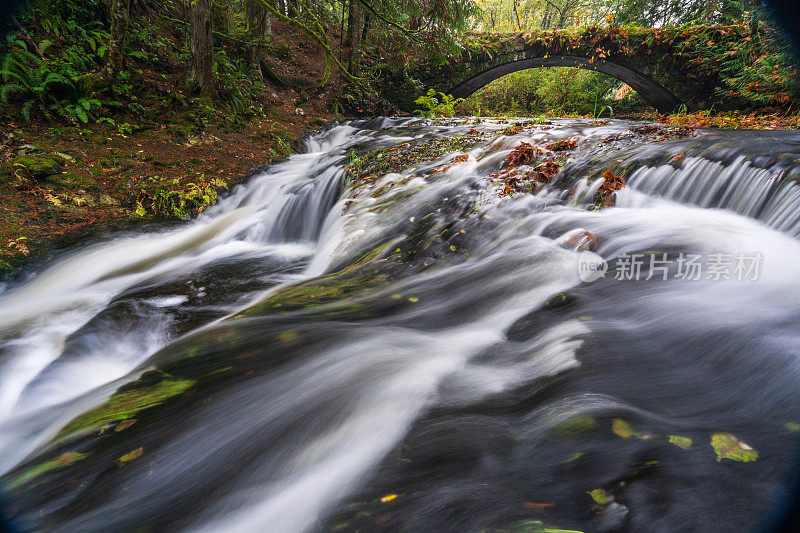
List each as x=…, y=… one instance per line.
x=382, y=334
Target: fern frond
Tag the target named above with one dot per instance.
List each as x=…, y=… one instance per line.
x=27, y=107
x=10, y=88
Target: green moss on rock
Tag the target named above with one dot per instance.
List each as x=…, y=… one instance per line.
x=62, y=461
x=386, y=160
x=40, y=166
x=320, y=291
x=72, y=181
x=124, y=405
x=729, y=447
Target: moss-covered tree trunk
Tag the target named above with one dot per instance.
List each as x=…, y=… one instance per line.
x=201, y=44
x=260, y=29
x=355, y=32
x=224, y=16
x=229, y=15
x=120, y=11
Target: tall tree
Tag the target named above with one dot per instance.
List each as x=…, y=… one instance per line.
x=201, y=44
x=355, y=34
x=225, y=15
x=259, y=27
x=120, y=11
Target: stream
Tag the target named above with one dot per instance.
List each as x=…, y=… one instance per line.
x=413, y=346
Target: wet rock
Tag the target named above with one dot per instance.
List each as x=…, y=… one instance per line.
x=559, y=302
x=73, y=182
x=108, y=200
x=578, y=239
x=39, y=167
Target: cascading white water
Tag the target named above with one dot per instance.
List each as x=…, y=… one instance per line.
x=38, y=317
x=456, y=348
x=738, y=186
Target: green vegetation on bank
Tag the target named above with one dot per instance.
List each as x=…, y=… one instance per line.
x=556, y=91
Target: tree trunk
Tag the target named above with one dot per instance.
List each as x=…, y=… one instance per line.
x=201, y=44
x=366, y=30
x=225, y=15
x=566, y=11
x=260, y=27
x=547, y=16
x=355, y=31
x=230, y=18
x=120, y=16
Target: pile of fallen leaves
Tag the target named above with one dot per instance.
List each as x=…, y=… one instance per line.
x=611, y=182
x=523, y=154
x=752, y=121
x=518, y=177
x=519, y=180
x=457, y=159
x=512, y=129
x=563, y=145
x=517, y=174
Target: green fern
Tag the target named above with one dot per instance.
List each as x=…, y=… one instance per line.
x=436, y=104
x=53, y=86
x=26, y=108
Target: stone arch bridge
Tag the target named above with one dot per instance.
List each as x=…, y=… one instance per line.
x=668, y=67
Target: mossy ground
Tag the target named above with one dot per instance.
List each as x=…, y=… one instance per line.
x=114, y=176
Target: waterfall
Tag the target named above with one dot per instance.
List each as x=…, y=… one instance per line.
x=418, y=351
x=753, y=192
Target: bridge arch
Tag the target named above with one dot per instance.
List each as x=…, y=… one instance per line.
x=652, y=92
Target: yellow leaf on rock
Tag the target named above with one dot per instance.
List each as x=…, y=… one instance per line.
x=601, y=497
x=287, y=336
x=130, y=456
x=388, y=498
x=622, y=428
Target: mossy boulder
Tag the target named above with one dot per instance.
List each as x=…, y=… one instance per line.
x=73, y=182
x=40, y=166
x=127, y=402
